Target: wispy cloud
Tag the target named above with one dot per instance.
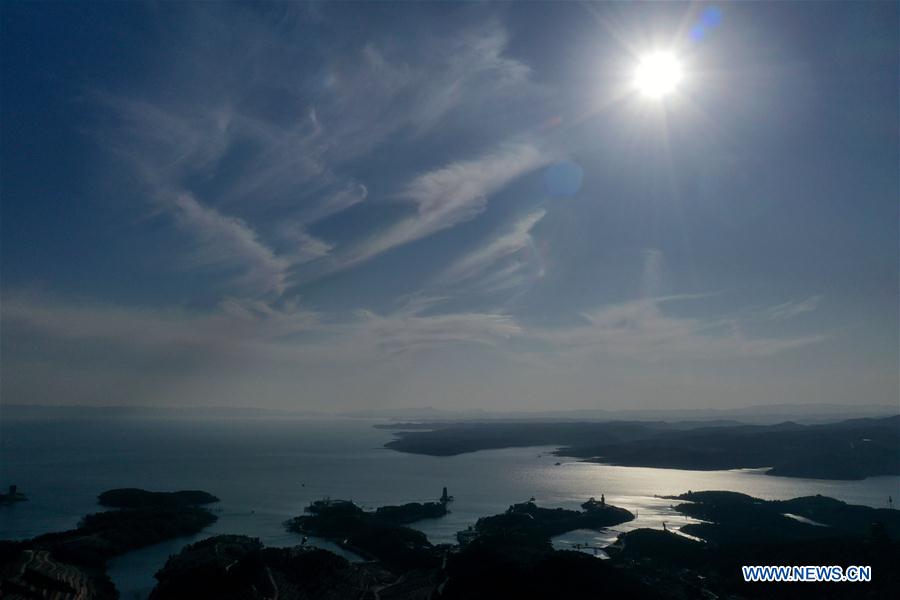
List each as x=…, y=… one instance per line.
x=791, y=309
x=255, y=329
x=497, y=264
x=276, y=146
x=641, y=329
x=389, y=86
x=291, y=348
x=472, y=70
x=297, y=245
x=228, y=243
x=337, y=201
x=400, y=333
x=235, y=322
x=454, y=193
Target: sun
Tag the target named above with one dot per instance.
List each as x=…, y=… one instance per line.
x=658, y=74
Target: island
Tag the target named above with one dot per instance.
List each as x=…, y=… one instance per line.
x=529, y=523
x=378, y=535
x=138, y=498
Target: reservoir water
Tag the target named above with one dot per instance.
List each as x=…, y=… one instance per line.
x=265, y=470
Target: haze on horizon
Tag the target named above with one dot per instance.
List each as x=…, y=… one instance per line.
x=341, y=206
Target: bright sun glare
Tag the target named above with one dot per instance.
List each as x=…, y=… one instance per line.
x=658, y=74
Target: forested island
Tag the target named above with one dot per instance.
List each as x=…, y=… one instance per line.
x=378, y=535
x=852, y=449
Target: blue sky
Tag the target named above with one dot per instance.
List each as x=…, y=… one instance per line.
x=338, y=206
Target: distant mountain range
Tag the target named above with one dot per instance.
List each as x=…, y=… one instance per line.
x=760, y=415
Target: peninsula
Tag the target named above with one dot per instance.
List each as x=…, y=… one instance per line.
x=852, y=449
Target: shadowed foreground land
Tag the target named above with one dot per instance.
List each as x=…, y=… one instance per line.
x=502, y=556
x=853, y=449
x=511, y=555
x=72, y=564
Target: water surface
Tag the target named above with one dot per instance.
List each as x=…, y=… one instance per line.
x=266, y=470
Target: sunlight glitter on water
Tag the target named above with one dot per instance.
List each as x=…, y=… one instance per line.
x=267, y=471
